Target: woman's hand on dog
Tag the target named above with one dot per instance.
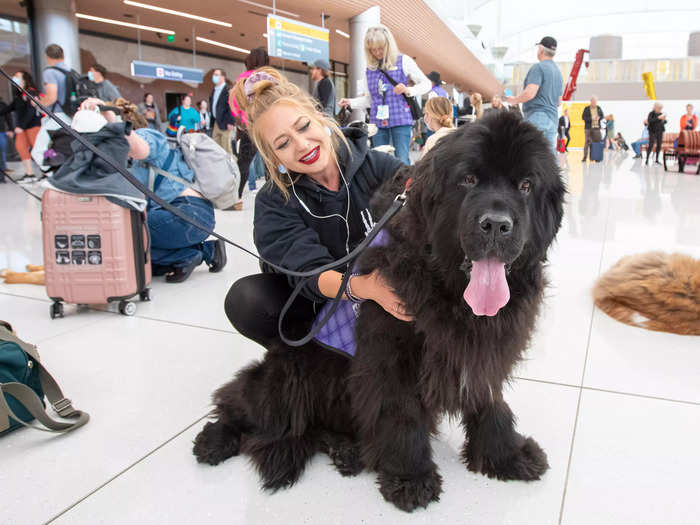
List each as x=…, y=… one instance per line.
x=373, y=287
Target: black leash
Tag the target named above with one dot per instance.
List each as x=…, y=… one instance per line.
x=399, y=202
x=13, y=181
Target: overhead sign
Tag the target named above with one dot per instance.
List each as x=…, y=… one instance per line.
x=294, y=40
x=166, y=72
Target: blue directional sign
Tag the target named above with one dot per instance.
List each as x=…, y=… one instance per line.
x=166, y=72
x=294, y=40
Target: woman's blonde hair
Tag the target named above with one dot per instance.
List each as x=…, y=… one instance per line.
x=129, y=113
x=271, y=87
x=476, y=101
x=441, y=110
x=380, y=36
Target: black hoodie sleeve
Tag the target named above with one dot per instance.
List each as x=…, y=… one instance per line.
x=382, y=167
x=282, y=237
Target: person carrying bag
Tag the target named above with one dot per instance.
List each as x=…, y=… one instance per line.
x=24, y=383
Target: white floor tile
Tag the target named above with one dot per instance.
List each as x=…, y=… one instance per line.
x=152, y=493
x=141, y=381
x=634, y=461
x=30, y=318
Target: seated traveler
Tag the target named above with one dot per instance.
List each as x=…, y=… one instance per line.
x=177, y=247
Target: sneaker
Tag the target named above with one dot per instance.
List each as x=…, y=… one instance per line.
x=584, y=160
x=637, y=157
x=28, y=179
x=219, y=258
x=657, y=162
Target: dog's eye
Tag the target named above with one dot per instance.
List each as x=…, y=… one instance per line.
x=471, y=180
x=525, y=186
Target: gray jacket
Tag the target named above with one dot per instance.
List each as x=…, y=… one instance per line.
x=107, y=91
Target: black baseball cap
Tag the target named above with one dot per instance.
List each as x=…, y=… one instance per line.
x=548, y=42
x=434, y=77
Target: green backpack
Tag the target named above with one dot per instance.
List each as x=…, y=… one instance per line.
x=23, y=384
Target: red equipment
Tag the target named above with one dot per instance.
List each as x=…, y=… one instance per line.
x=571, y=83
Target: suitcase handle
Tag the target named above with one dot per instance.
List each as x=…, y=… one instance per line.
x=148, y=236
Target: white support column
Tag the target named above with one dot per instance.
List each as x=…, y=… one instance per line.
x=358, y=27
x=54, y=22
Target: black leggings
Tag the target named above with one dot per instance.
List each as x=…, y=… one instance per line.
x=246, y=152
x=254, y=304
x=655, y=137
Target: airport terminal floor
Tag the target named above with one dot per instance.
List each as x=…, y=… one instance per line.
x=616, y=408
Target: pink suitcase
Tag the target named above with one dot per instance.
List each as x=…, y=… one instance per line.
x=95, y=252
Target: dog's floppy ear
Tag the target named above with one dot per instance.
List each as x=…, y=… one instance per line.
x=549, y=206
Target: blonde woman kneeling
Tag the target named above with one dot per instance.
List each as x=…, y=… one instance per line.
x=437, y=115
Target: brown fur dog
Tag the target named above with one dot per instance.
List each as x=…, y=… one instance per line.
x=655, y=290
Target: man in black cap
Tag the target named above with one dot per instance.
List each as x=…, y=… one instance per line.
x=324, y=90
x=542, y=92
x=437, y=90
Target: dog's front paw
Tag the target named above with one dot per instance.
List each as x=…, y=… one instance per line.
x=215, y=443
x=526, y=463
x=409, y=493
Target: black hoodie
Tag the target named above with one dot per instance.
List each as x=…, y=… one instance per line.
x=287, y=235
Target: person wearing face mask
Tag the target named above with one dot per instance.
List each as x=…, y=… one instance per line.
x=185, y=115
x=105, y=89
x=389, y=110
x=222, y=119
x=313, y=210
x=27, y=119
x=437, y=115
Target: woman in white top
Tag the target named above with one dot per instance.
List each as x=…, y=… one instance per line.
x=437, y=115
x=389, y=110
x=205, y=116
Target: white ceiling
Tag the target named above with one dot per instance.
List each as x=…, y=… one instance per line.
x=649, y=28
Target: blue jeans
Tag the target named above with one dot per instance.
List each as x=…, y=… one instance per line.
x=546, y=124
x=3, y=150
x=175, y=242
x=257, y=170
x=637, y=146
x=399, y=137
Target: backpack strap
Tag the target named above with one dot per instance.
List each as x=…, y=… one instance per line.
x=32, y=402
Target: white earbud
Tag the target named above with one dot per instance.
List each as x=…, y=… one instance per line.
x=347, y=211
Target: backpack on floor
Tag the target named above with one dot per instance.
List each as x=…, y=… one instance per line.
x=216, y=172
x=79, y=85
x=24, y=382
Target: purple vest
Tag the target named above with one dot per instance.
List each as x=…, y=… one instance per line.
x=399, y=112
x=439, y=91
x=339, y=332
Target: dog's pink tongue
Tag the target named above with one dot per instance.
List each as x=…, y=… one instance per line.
x=487, y=291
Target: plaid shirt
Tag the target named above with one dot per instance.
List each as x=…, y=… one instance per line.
x=399, y=112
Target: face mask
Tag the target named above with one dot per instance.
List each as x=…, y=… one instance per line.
x=215, y=79
x=91, y=76
x=17, y=80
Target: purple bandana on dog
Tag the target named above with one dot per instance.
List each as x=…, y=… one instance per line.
x=339, y=332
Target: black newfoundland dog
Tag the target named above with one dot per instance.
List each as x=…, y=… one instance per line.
x=466, y=254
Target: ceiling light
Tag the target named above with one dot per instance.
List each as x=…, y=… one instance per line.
x=125, y=24
x=178, y=13
x=269, y=8
x=227, y=46
x=342, y=33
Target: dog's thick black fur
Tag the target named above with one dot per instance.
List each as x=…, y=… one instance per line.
x=379, y=410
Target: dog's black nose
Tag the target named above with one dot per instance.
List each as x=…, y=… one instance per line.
x=496, y=224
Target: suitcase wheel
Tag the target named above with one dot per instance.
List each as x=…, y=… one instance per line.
x=145, y=295
x=56, y=310
x=127, y=308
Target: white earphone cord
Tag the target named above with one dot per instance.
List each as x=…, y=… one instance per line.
x=347, y=211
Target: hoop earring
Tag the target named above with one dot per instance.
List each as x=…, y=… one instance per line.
x=281, y=169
